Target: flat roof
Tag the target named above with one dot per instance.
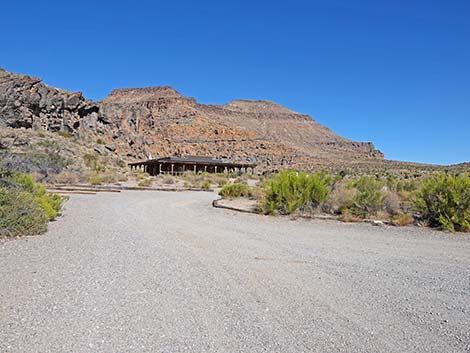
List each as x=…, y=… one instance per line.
x=207, y=160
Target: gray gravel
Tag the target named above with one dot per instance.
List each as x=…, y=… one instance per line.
x=166, y=272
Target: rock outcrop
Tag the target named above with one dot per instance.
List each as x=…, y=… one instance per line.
x=136, y=122
x=27, y=102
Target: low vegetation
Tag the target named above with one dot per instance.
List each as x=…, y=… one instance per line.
x=145, y=182
x=25, y=205
x=444, y=200
x=235, y=190
x=438, y=200
x=288, y=191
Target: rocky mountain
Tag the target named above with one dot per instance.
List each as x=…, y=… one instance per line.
x=136, y=122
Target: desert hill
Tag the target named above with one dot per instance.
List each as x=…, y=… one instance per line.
x=160, y=121
x=132, y=123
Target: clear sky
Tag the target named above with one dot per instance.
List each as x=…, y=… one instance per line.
x=393, y=72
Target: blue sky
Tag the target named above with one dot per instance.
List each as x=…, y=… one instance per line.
x=395, y=72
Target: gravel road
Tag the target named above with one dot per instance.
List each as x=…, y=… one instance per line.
x=166, y=272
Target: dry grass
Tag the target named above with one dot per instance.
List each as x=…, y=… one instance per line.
x=349, y=217
x=402, y=219
x=340, y=198
x=146, y=182
x=168, y=180
x=96, y=178
x=67, y=177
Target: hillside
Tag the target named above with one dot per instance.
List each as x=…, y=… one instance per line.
x=132, y=123
x=160, y=121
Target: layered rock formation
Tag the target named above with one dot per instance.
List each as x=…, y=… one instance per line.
x=160, y=121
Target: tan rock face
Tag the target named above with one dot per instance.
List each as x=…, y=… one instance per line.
x=160, y=121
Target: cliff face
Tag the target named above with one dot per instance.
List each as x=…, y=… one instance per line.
x=27, y=102
x=160, y=121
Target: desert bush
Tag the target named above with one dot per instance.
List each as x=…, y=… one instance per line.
x=369, y=196
x=48, y=143
x=235, y=190
x=64, y=134
x=391, y=202
x=341, y=198
x=122, y=177
x=221, y=181
x=206, y=185
x=146, y=182
x=25, y=206
x=49, y=202
x=444, y=201
x=348, y=216
x=20, y=214
x=407, y=185
x=189, y=177
x=289, y=190
x=168, y=179
x=242, y=179
x=92, y=162
x=97, y=178
x=33, y=161
x=121, y=164
x=67, y=177
x=402, y=219
x=140, y=177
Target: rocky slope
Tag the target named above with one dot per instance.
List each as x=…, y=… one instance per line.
x=133, y=123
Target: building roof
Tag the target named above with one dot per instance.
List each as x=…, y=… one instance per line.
x=206, y=160
x=190, y=159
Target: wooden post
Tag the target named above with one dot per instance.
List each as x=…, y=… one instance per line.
x=172, y=168
x=205, y=169
x=215, y=169
x=194, y=169
x=159, y=168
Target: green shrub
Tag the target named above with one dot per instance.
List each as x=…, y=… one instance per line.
x=48, y=143
x=96, y=178
x=289, y=190
x=206, y=185
x=121, y=164
x=20, y=214
x=369, y=196
x=49, y=202
x=235, y=190
x=444, y=201
x=92, y=162
x=25, y=206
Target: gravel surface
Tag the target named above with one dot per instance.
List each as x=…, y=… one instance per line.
x=166, y=272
